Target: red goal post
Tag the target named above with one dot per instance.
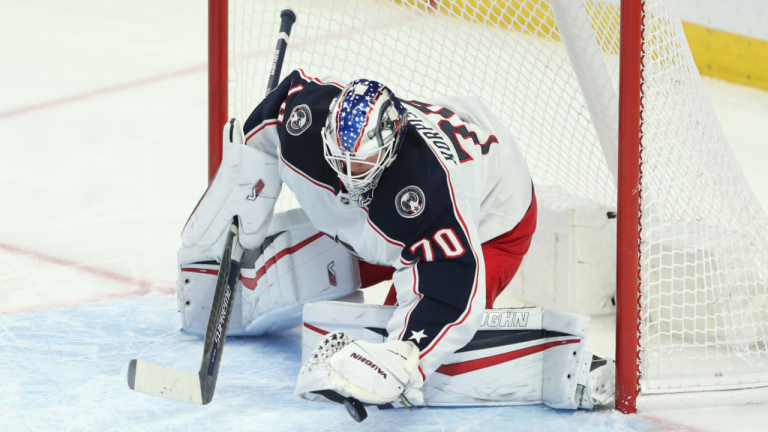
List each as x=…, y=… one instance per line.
x=628, y=214
x=618, y=121
x=218, y=82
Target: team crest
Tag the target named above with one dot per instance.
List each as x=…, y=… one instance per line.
x=410, y=202
x=299, y=121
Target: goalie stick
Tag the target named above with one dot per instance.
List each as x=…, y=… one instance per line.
x=198, y=388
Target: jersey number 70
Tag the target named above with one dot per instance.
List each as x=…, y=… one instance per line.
x=446, y=240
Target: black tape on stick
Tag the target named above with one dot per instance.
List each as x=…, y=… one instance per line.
x=287, y=18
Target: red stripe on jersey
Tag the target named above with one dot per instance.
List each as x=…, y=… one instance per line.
x=296, y=89
x=315, y=329
x=260, y=127
x=477, y=261
x=389, y=240
x=485, y=362
x=415, y=291
x=250, y=283
x=309, y=78
x=324, y=186
x=281, y=113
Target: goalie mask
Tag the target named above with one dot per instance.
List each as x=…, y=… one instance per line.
x=362, y=135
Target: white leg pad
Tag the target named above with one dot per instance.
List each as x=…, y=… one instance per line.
x=195, y=286
x=296, y=264
x=519, y=356
x=567, y=365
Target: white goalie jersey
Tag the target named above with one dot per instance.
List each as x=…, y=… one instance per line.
x=459, y=180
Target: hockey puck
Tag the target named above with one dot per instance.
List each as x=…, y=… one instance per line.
x=356, y=409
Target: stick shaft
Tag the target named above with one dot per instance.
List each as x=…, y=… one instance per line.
x=199, y=388
x=221, y=313
x=287, y=17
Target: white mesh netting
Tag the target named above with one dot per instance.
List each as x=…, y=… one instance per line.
x=704, y=251
x=549, y=69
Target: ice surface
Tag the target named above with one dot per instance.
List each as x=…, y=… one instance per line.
x=65, y=369
x=102, y=157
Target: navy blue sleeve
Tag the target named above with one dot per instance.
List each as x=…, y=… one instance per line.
x=415, y=204
x=270, y=112
x=292, y=117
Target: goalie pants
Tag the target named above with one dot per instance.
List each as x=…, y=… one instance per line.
x=503, y=256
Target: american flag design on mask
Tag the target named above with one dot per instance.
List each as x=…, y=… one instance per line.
x=356, y=107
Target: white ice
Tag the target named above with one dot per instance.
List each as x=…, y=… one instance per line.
x=103, y=138
x=66, y=370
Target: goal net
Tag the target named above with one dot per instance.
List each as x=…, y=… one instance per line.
x=549, y=69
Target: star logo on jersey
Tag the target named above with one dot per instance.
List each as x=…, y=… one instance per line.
x=417, y=335
x=299, y=120
x=410, y=202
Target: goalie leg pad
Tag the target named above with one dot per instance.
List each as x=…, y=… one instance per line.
x=293, y=267
x=600, y=389
x=565, y=366
x=519, y=356
x=296, y=264
x=195, y=286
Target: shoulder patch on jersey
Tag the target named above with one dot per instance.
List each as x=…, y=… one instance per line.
x=299, y=121
x=410, y=202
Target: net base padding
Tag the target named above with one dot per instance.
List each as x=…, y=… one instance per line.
x=706, y=399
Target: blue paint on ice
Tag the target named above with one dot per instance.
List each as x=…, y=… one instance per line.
x=65, y=369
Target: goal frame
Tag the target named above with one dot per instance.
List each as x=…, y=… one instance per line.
x=218, y=81
x=629, y=211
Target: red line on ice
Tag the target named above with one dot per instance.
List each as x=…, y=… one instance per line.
x=144, y=285
x=666, y=425
x=102, y=91
x=168, y=75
